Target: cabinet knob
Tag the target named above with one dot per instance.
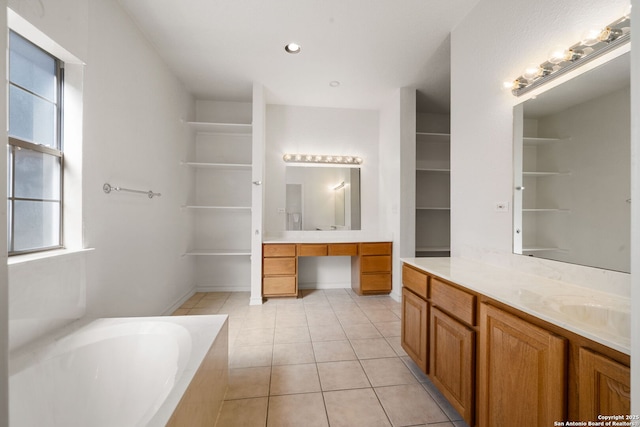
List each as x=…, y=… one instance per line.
x=519, y=188
x=257, y=182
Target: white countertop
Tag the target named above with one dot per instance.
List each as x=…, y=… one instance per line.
x=596, y=315
x=334, y=236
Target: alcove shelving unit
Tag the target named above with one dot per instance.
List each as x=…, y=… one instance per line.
x=433, y=188
x=221, y=203
x=538, y=200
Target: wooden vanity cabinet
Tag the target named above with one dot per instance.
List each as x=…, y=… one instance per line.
x=522, y=372
x=603, y=386
x=371, y=270
x=279, y=270
x=415, y=321
x=452, y=345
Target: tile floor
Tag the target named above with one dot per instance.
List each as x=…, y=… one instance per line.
x=329, y=358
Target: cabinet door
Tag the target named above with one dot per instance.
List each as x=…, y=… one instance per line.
x=522, y=372
x=451, y=368
x=414, y=328
x=603, y=386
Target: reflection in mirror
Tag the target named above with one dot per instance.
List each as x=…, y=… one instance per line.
x=322, y=198
x=572, y=170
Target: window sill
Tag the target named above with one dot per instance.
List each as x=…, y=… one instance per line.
x=22, y=259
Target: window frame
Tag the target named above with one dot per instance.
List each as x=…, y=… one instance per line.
x=14, y=144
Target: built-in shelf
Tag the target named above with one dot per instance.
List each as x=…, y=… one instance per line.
x=434, y=134
x=234, y=166
x=218, y=252
x=222, y=128
x=529, y=140
x=228, y=208
x=547, y=173
x=432, y=208
x=546, y=210
x=433, y=249
x=439, y=170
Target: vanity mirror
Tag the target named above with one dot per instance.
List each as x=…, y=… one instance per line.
x=322, y=198
x=572, y=170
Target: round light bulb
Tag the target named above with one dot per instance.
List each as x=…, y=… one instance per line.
x=298, y=157
x=308, y=157
x=292, y=48
x=591, y=37
x=318, y=158
x=557, y=55
x=286, y=157
x=531, y=72
x=357, y=160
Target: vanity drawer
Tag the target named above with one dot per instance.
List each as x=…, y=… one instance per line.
x=376, y=282
x=453, y=300
x=380, y=248
x=282, y=285
x=279, y=266
x=343, y=249
x=376, y=264
x=309, y=249
x=414, y=280
x=278, y=250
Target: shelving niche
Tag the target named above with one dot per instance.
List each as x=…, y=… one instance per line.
x=220, y=201
x=433, y=188
x=543, y=179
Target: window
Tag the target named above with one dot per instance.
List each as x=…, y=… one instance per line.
x=35, y=156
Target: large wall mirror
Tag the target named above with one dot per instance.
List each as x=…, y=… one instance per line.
x=322, y=198
x=572, y=170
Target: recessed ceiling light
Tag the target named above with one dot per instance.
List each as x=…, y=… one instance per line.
x=334, y=83
x=292, y=48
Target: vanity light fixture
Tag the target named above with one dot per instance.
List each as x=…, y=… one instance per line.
x=322, y=159
x=292, y=48
x=561, y=60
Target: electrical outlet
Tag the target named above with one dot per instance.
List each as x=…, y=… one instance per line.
x=502, y=207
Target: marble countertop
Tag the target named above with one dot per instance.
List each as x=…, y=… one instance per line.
x=596, y=315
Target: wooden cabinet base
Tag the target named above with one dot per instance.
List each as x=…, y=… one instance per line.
x=603, y=386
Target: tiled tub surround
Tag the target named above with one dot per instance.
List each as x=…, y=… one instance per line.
x=330, y=357
x=151, y=371
x=598, y=316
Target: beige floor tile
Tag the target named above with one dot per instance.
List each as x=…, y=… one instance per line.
x=342, y=375
x=351, y=318
x=209, y=303
x=243, y=412
x=251, y=356
x=259, y=320
x=372, y=348
x=333, y=332
x=218, y=295
x=388, y=371
x=205, y=311
x=396, y=345
x=377, y=315
x=295, y=410
x=389, y=329
x=292, y=354
x=193, y=300
x=249, y=337
x=292, y=335
x=355, y=408
x=181, y=312
x=415, y=370
x=294, y=379
x=361, y=331
x=408, y=405
x=442, y=401
x=290, y=320
x=333, y=351
x=322, y=317
x=248, y=382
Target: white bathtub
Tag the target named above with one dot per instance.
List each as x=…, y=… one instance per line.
x=122, y=372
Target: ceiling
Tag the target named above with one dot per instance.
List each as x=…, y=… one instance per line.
x=218, y=48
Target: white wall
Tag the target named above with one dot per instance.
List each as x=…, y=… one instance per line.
x=334, y=131
x=482, y=121
x=4, y=278
x=635, y=214
x=133, y=137
x=309, y=130
x=491, y=45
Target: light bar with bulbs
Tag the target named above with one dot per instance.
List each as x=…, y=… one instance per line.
x=594, y=44
x=324, y=159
